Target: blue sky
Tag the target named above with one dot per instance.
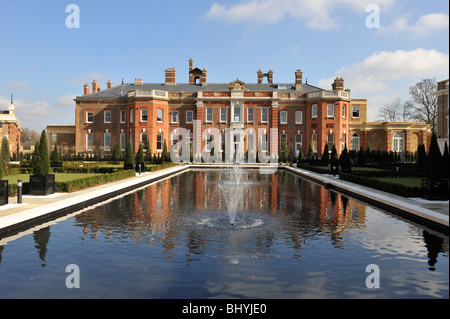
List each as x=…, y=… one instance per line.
x=45, y=64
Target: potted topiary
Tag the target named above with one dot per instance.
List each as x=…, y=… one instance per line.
x=55, y=158
x=3, y=187
x=434, y=185
x=129, y=158
x=42, y=182
x=140, y=160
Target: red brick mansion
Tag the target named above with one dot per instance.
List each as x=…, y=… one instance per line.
x=291, y=114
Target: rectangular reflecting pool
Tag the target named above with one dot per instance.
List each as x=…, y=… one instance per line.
x=290, y=238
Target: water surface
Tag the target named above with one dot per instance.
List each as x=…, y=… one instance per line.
x=173, y=239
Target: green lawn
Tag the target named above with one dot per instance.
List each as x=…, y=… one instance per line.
x=59, y=177
x=406, y=181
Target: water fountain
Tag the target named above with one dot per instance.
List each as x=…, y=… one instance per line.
x=232, y=189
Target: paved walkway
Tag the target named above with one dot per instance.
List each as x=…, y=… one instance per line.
x=34, y=207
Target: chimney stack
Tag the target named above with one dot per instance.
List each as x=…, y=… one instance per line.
x=298, y=80
x=191, y=67
x=138, y=82
x=270, y=76
x=203, y=77
x=95, y=86
x=86, y=89
x=109, y=84
x=260, y=76
x=170, y=76
x=338, y=84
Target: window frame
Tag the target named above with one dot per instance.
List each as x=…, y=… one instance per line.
x=296, y=117
x=159, y=135
x=159, y=116
x=142, y=115
x=105, y=112
x=297, y=150
x=87, y=117
x=314, y=111
x=192, y=116
x=354, y=108
x=396, y=142
x=223, y=112
x=355, y=136
x=330, y=107
x=89, y=149
x=209, y=110
x=252, y=111
x=285, y=119
x=176, y=114
x=265, y=110
x=106, y=148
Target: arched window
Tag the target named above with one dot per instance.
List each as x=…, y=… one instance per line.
x=398, y=142
x=355, y=142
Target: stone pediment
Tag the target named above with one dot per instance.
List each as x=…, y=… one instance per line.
x=237, y=85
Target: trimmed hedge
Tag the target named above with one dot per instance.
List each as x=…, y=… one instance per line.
x=393, y=188
x=106, y=174
x=77, y=183
x=313, y=168
x=152, y=168
x=92, y=180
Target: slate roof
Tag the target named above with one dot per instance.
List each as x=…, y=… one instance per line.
x=121, y=91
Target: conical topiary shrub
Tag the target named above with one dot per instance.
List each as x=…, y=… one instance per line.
x=41, y=164
x=434, y=186
x=344, y=161
x=42, y=182
x=129, y=158
x=433, y=163
x=140, y=160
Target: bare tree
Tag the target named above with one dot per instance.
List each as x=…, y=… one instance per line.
x=397, y=110
x=424, y=107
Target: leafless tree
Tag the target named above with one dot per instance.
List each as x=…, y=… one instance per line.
x=424, y=107
x=397, y=110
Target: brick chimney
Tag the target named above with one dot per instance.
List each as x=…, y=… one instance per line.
x=270, y=76
x=109, y=84
x=138, y=82
x=86, y=89
x=260, y=76
x=203, y=77
x=298, y=79
x=338, y=84
x=95, y=86
x=191, y=67
x=170, y=76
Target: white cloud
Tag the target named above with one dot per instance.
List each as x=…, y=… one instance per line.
x=318, y=14
x=386, y=75
x=38, y=114
x=374, y=73
x=424, y=26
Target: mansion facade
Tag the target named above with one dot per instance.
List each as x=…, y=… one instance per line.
x=292, y=115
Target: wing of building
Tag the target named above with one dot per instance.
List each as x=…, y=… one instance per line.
x=10, y=128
